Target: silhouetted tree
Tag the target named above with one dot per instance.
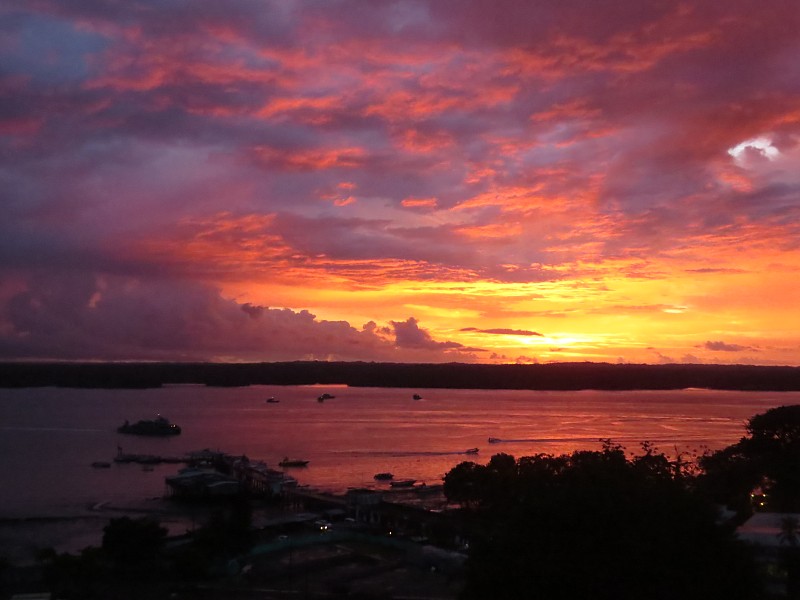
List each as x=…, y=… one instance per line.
x=768, y=457
x=596, y=525
x=774, y=444
x=464, y=484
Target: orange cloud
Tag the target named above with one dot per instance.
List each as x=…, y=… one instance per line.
x=310, y=110
x=310, y=159
x=419, y=202
x=496, y=230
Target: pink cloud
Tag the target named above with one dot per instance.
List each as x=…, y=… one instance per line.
x=310, y=160
x=419, y=202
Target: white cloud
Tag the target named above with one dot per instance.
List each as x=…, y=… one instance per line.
x=760, y=146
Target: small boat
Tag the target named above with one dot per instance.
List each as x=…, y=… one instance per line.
x=417, y=397
x=324, y=397
x=403, y=483
x=101, y=464
x=383, y=476
x=494, y=440
x=158, y=426
x=471, y=451
x=286, y=462
x=272, y=400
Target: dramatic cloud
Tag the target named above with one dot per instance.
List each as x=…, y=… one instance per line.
x=408, y=334
x=123, y=319
x=619, y=175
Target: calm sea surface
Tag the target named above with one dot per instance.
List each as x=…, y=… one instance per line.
x=49, y=437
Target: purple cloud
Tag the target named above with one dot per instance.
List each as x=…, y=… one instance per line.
x=77, y=318
x=720, y=346
x=408, y=334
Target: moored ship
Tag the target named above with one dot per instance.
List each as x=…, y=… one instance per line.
x=158, y=426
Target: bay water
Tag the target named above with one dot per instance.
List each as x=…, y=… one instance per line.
x=49, y=437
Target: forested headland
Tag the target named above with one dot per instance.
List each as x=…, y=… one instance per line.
x=551, y=376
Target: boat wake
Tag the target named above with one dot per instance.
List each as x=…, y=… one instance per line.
x=542, y=440
x=402, y=453
x=680, y=439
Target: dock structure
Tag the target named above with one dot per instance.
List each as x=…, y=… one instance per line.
x=215, y=474
x=417, y=512
x=257, y=478
x=149, y=459
x=196, y=484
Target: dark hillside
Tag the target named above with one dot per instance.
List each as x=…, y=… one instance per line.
x=556, y=376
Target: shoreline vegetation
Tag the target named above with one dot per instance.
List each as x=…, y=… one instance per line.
x=550, y=376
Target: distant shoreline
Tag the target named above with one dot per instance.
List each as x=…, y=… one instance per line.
x=551, y=376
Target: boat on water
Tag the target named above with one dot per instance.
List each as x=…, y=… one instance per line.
x=101, y=464
x=158, y=426
x=403, y=483
x=272, y=400
x=417, y=397
x=383, y=476
x=287, y=462
x=494, y=440
x=324, y=397
x=471, y=451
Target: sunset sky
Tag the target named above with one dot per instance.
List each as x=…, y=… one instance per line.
x=478, y=181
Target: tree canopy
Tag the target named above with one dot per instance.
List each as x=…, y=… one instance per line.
x=767, y=458
x=595, y=525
